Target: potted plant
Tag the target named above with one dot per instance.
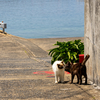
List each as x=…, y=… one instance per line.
x=67, y=51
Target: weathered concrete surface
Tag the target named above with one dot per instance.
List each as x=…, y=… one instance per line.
x=92, y=39
x=19, y=58
x=47, y=43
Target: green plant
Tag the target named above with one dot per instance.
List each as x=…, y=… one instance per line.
x=67, y=51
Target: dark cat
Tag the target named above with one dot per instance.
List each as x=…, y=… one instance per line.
x=78, y=69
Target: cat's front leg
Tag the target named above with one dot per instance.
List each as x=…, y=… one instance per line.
x=59, y=79
x=62, y=78
x=56, y=79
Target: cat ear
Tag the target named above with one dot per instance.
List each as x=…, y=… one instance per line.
x=62, y=61
x=71, y=63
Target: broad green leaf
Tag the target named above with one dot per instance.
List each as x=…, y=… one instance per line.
x=76, y=46
x=74, y=54
x=59, y=56
x=71, y=57
x=69, y=54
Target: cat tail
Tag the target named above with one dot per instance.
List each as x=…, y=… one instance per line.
x=85, y=59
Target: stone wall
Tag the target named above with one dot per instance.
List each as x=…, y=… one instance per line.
x=92, y=39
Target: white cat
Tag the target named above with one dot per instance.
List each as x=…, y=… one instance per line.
x=58, y=68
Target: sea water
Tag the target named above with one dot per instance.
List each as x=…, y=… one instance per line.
x=43, y=18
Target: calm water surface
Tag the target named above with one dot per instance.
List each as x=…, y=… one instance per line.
x=43, y=18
